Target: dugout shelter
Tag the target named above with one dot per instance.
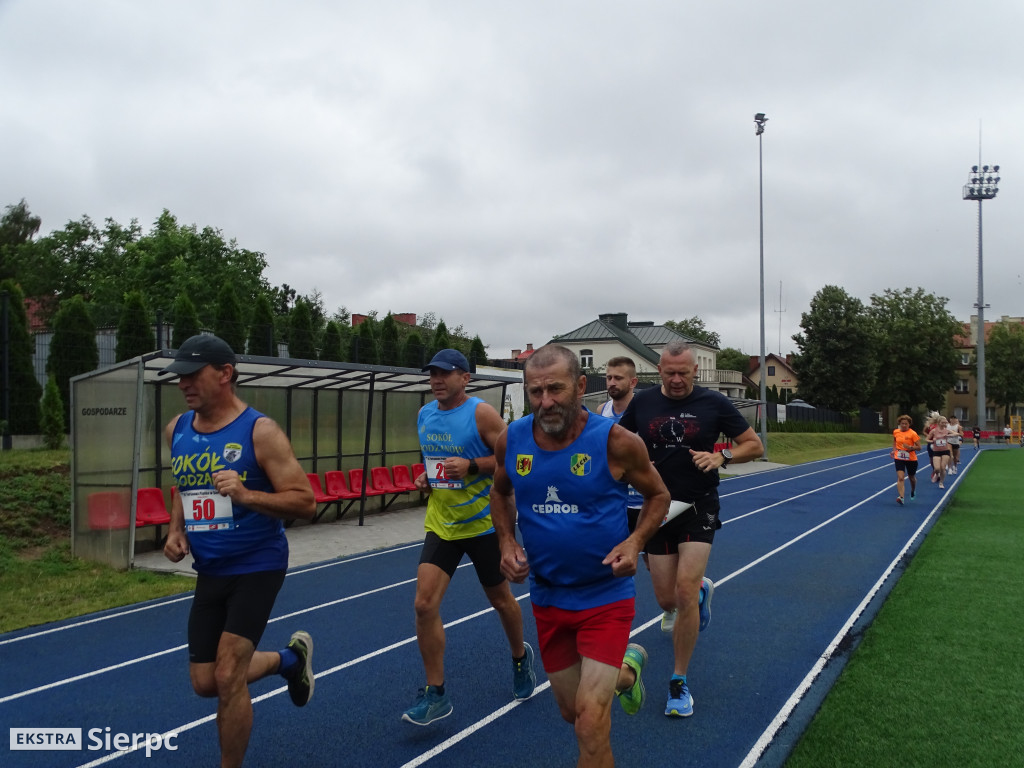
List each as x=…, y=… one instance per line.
x=339, y=416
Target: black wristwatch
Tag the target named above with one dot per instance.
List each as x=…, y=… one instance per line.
x=726, y=456
x=473, y=468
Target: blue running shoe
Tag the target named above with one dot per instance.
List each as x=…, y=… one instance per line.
x=680, y=702
x=524, y=680
x=430, y=706
x=707, y=589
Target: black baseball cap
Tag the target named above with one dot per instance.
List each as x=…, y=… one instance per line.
x=199, y=351
x=448, y=360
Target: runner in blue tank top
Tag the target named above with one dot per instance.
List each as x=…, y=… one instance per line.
x=237, y=479
x=566, y=470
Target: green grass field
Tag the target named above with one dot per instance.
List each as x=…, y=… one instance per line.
x=937, y=679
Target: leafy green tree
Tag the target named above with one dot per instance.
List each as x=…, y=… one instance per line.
x=477, y=352
x=301, y=344
x=414, y=352
x=390, y=350
x=693, y=327
x=441, y=340
x=228, y=322
x=1004, y=364
x=24, y=391
x=916, y=356
x=332, y=343
x=836, y=365
x=134, y=332
x=17, y=227
x=731, y=359
x=261, y=328
x=52, y=420
x=73, y=348
x=186, y=321
x=364, y=344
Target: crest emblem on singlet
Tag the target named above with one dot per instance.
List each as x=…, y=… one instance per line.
x=579, y=464
x=232, y=452
x=524, y=463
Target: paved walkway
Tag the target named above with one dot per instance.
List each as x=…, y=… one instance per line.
x=328, y=541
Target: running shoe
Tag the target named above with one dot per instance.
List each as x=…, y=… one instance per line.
x=524, y=680
x=301, y=679
x=899, y=500
x=668, y=620
x=707, y=589
x=430, y=706
x=942, y=485
x=632, y=698
x=680, y=702
x=913, y=494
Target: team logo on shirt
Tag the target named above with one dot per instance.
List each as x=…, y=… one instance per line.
x=232, y=452
x=579, y=464
x=524, y=463
x=554, y=505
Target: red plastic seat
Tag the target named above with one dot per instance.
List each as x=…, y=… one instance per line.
x=418, y=469
x=355, y=482
x=318, y=491
x=149, y=507
x=403, y=478
x=380, y=477
x=337, y=485
x=108, y=510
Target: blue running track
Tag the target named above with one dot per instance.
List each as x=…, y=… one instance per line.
x=805, y=557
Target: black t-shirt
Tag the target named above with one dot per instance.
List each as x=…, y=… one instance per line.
x=670, y=428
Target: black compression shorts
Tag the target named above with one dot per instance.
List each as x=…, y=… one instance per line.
x=238, y=604
x=483, y=551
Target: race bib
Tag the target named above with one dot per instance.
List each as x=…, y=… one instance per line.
x=903, y=455
x=940, y=442
x=207, y=510
x=436, y=476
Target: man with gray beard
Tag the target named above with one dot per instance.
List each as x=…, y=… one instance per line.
x=566, y=471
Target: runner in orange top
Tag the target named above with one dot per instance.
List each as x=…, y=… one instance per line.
x=906, y=443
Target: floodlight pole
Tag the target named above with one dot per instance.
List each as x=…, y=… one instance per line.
x=980, y=186
x=759, y=121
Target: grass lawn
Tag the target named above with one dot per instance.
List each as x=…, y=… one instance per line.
x=937, y=679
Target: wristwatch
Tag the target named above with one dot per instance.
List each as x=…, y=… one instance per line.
x=473, y=468
x=726, y=456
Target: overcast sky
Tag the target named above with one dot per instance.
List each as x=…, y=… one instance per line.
x=520, y=167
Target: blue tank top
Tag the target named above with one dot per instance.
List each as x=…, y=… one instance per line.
x=463, y=510
x=257, y=541
x=572, y=512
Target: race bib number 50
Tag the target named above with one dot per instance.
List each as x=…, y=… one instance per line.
x=207, y=510
x=436, y=475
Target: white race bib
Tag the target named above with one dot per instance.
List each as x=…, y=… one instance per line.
x=903, y=455
x=207, y=510
x=436, y=476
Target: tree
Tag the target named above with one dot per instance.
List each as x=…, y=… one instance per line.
x=134, y=332
x=364, y=344
x=73, y=348
x=1004, y=362
x=693, y=327
x=261, y=328
x=25, y=390
x=836, y=365
x=52, y=421
x=17, y=227
x=186, y=321
x=301, y=343
x=228, y=322
x=731, y=359
x=390, y=350
x=915, y=350
x=441, y=340
x=414, y=351
x=332, y=343
x=477, y=352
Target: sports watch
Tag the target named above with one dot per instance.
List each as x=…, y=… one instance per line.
x=726, y=456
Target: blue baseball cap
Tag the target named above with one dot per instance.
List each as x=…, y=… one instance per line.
x=448, y=360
